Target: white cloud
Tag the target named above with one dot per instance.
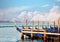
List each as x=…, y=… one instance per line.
x=36, y=15
x=53, y=13
x=54, y=9
x=22, y=14
x=25, y=15
x=9, y=13
x=46, y=5
x=30, y=14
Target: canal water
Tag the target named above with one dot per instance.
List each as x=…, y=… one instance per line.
x=8, y=33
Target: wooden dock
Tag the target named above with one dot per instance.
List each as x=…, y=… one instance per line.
x=27, y=30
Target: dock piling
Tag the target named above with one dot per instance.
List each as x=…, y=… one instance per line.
x=45, y=36
x=32, y=29
x=42, y=24
x=22, y=35
x=45, y=32
x=26, y=24
x=38, y=23
x=59, y=28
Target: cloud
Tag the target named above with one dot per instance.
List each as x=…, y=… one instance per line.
x=46, y=5
x=54, y=9
x=52, y=15
x=22, y=16
x=9, y=13
x=29, y=15
x=25, y=15
x=38, y=17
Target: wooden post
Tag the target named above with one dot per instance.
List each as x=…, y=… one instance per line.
x=59, y=28
x=32, y=24
x=54, y=39
x=31, y=35
x=38, y=23
x=26, y=24
x=47, y=23
x=45, y=36
x=48, y=27
x=22, y=35
x=32, y=29
x=21, y=40
x=42, y=24
x=54, y=24
x=58, y=24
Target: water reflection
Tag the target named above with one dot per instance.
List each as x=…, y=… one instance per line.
x=38, y=40
x=29, y=40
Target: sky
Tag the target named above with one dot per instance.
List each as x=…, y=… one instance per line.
x=20, y=10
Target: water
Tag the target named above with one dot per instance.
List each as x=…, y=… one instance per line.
x=10, y=34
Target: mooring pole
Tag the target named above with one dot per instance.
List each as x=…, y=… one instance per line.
x=47, y=26
x=54, y=29
x=33, y=24
x=26, y=24
x=58, y=25
x=59, y=28
x=38, y=23
x=22, y=35
x=54, y=24
x=32, y=29
x=47, y=23
x=45, y=36
x=42, y=24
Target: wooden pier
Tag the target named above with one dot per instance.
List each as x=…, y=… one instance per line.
x=31, y=31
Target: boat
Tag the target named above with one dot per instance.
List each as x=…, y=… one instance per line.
x=52, y=32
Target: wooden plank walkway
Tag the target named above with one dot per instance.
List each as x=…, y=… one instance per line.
x=47, y=33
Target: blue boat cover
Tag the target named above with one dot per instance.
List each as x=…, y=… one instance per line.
x=49, y=36
x=41, y=35
x=18, y=29
x=51, y=29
